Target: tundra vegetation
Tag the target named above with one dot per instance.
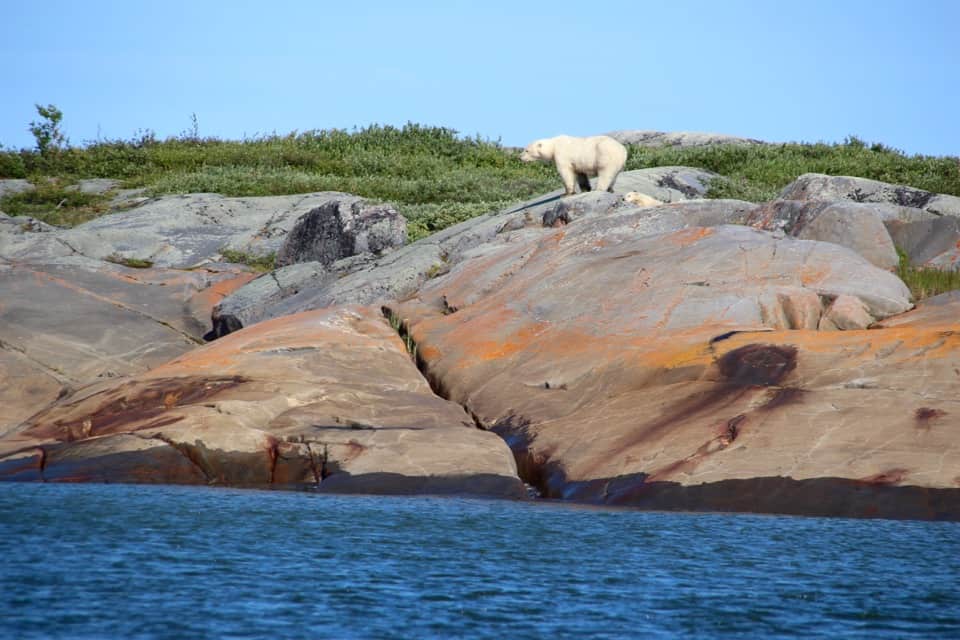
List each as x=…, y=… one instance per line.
x=432, y=175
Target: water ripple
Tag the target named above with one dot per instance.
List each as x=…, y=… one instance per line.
x=99, y=561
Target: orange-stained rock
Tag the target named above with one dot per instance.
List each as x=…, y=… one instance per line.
x=327, y=399
x=685, y=371
x=73, y=321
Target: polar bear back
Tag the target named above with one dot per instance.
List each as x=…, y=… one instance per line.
x=589, y=155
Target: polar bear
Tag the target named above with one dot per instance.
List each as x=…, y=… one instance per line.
x=578, y=158
x=640, y=199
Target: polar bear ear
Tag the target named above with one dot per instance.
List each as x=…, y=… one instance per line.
x=539, y=146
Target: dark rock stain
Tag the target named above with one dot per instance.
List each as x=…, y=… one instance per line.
x=889, y=477
x=906, y=197
x=137, y=402
x=925, y=415
x=758, y=364
x=782, y=397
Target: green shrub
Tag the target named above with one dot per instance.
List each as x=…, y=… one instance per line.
x=259, y=263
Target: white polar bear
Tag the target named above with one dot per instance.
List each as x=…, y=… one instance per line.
x=640, y=199
x=578, y=158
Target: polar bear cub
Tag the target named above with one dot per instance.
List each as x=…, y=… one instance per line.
x=640, y=199
x=577, y=159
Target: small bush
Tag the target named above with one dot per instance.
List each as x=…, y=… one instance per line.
x=261, y=264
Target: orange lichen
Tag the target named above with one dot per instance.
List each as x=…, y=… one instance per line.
x=686, y=237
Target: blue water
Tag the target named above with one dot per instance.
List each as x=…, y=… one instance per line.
x=115, y=561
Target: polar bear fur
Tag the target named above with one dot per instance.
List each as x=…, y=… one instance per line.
x=641, y=199
x=578, y=159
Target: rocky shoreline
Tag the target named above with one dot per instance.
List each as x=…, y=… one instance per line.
x=695, y=355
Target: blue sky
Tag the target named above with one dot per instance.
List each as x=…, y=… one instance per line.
x=779, y=71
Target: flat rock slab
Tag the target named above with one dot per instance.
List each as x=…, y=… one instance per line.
x=327, y=400
x=686, y=371
x=72, y=321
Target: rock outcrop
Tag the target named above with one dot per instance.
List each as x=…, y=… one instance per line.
x=850, y=224
x=178, y=231
x=72, y=321
x=693, y=370
x=646, y=138
x=695, y=354
x=342, y=228
x=815, y=186
x=328, y=400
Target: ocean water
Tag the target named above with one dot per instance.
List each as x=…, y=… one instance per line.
x=120, y=561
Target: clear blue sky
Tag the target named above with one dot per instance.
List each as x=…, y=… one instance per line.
x=887, y=71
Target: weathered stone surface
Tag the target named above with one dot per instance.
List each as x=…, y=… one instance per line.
x=19, y=225
x=931, y=242
x=11, y=186
x=850, y=224
x=646, y=138
x=845, y=313
x=177, y=231
x=97, y=186
x=249, y=303
x=400, y=273
x=341, y=228
x=816, y=186
x=938, y=312
x=667, y=184
x=592, y=203
x=72, y=321
x=328, y=400
x=685, y=371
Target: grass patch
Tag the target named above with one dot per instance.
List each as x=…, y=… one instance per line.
x=53, y=203
x=260, y=264
x=398, y=325
x=926, y=282
x=430, y=174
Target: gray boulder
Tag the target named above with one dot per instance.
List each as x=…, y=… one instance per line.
x=816, y=186
x=340, y=228
x=858, y=226
x=645, y=138
x=933, y=242
x=11, y=186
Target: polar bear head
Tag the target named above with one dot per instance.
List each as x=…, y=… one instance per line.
x=538, y=150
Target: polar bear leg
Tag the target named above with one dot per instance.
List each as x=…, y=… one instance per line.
x=605, y=180
x=567, y=175
x=584, y=182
